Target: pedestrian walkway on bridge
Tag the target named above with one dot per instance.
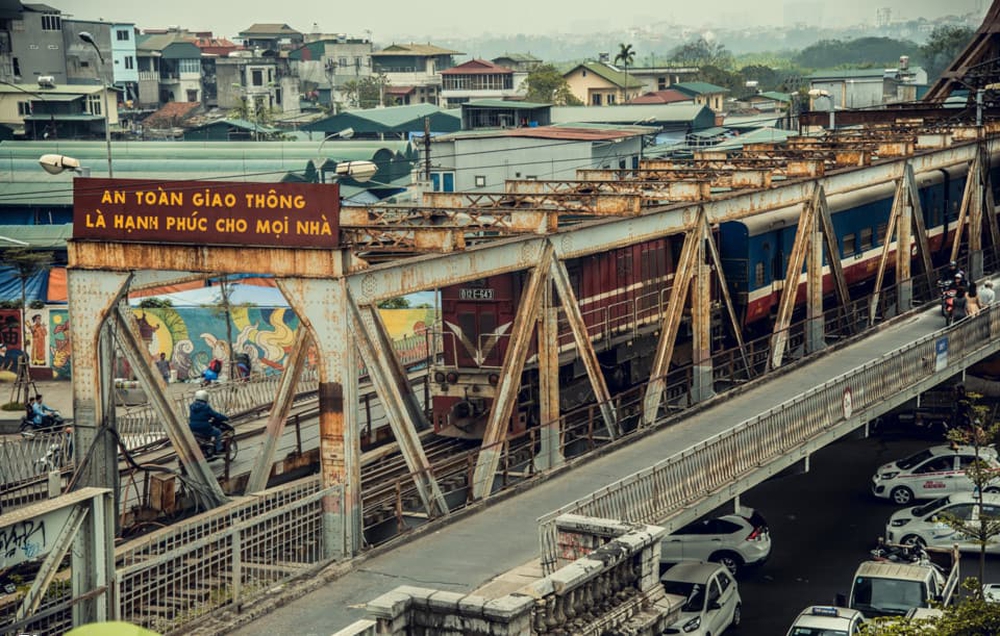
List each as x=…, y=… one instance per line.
x=480, y=546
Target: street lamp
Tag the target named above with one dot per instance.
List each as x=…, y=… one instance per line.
x=55, y=164
x=358, y=170
x=89, y=39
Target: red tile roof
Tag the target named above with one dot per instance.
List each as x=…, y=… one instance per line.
x=667, y=96
x=478, y=67
x=171, y=114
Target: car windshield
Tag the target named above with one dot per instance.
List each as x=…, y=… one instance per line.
x=887, y=596
x=693, y=592
x=816, y=631
x=931, y=506
x=914, y=459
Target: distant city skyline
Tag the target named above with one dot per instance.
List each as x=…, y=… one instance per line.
x=453, y=18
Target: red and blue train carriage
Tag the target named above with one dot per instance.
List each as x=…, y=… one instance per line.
x=623, y=294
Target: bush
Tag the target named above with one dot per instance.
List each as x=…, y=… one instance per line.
x=12, y=406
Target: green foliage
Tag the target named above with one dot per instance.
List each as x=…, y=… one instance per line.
x=27, y=262
x=546, y=85
x=395, y=303
x=625, y=56
x=970, y=616
x=12, y=406
x=870, y=51
x=155, y=303
x=701, y=52
x=942, y=47
x=368, y=92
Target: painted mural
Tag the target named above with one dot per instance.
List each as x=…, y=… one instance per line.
x=191, y=337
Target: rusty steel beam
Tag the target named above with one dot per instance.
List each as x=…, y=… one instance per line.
x=891, y=228
x=671, y=323
x=713, y=251
x=790, y=287
x=832, y=247
x=702, y=386
x=52, y=563
x=963, y=213
x=576, y=203
x=510, y=376
x=401, y=407
x=181, y=438
x=92, y=296
x=550, y=452
x=724, y=176
x=498, y=219
x=388, y=280
x=404, y=240
x=922, y=240
x=677, y=190
x=321, y=306
x=975, y=242
x=815, y=325
x=280, y=408
x=904, y=238
x=584, y=346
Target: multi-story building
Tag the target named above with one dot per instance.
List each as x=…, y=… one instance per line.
x=37, y=47
x=271, y=37
x=116, y=44
x=600, y=84
x=325, y=65
x=266, y=84
x=479, y=79
x=704, y=94
x=862, y=88
x=414, y=70
x=57, y=111
x=518, y=62
x=169, y=68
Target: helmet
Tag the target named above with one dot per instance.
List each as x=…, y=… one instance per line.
x=952, y=263
x=201, y=395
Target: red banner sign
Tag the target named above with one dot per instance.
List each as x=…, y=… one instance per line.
x=207, y=212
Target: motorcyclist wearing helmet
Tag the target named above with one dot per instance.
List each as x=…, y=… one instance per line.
x=201, y=417
x=954, y=275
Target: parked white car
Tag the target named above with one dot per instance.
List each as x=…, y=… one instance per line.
x=736, y=541
x=925, y=525
x=931, y=473
x=825, y=620
x=711, y=600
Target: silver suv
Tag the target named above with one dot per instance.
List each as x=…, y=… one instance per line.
x=736, y=540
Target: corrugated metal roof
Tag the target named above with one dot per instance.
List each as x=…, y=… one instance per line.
x=576, y=132
x=518, y=57
x=478, y=67
x=502, y=103
x=60, y=89
x=414, y=49
x=774, y=95
x=238, y=123
x=627, y=114
x=762, y=135
x=395, y=119
x=38, y=236
x=698, y=88
x=707, y=133
x=64, y=117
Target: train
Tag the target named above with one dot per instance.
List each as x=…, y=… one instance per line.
x=623, y=295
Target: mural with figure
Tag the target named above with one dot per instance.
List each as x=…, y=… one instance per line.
x=61, y=344
x=11, y=342
x=36, y=337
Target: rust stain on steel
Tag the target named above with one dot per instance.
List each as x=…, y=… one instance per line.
x=806, y=168
x=895, y=148
x=438, y=241
x=307, y=263
x=331, y=432
x=851, y=157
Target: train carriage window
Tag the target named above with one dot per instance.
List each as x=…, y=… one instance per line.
x=758, y=275
x=880, y=233
x=850, y=244
x=866, y=238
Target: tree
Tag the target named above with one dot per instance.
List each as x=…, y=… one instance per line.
x=942, y=47
x=626, y=55
x=702, y=52
x=971, y=614
x=546, y=85
x=868, y=52
x=367, y=92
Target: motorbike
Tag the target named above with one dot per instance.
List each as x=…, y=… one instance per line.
x=948, y=293
x=51, y=421
x=229, y=445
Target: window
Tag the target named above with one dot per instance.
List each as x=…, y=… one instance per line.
x=51, y=22
x=129, y=62
x=758, y=275
x=937, y=465
x=480, y=181
x=190, y=66
x=84, y=64
x=850, y=244
x=866, y=238
x=23, y=108
x=94, y=104
x=192, y=95
x=257, y=77
x=611, y=99
x=880, y=233
x=342, y=62
x=595, y=99
x=122, y=36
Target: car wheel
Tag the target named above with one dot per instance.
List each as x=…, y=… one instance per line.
x=913, y=539
x=731, y=560
x=901, y=495
x=992, y=490
x=737, y=616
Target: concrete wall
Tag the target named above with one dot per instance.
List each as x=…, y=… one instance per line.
x=610, y=583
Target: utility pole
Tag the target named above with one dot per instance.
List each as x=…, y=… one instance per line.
x=427, y=149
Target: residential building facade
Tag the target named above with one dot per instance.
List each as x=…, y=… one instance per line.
x=479, y=79
x=600, y=84
x=705, y=94
x=326, y=65
x=863, y=88
x=170, y=63
x=266, y=84
x=37, y=48
x=416, y=68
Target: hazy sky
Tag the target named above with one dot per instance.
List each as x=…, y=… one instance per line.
x=392, y=19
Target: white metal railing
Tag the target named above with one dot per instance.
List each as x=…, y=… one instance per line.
x=661, y=491
x=227, y=556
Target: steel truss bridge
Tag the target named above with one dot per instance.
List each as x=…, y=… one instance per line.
x=248, y=538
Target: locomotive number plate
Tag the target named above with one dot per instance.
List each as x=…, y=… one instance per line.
x=477, y=293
